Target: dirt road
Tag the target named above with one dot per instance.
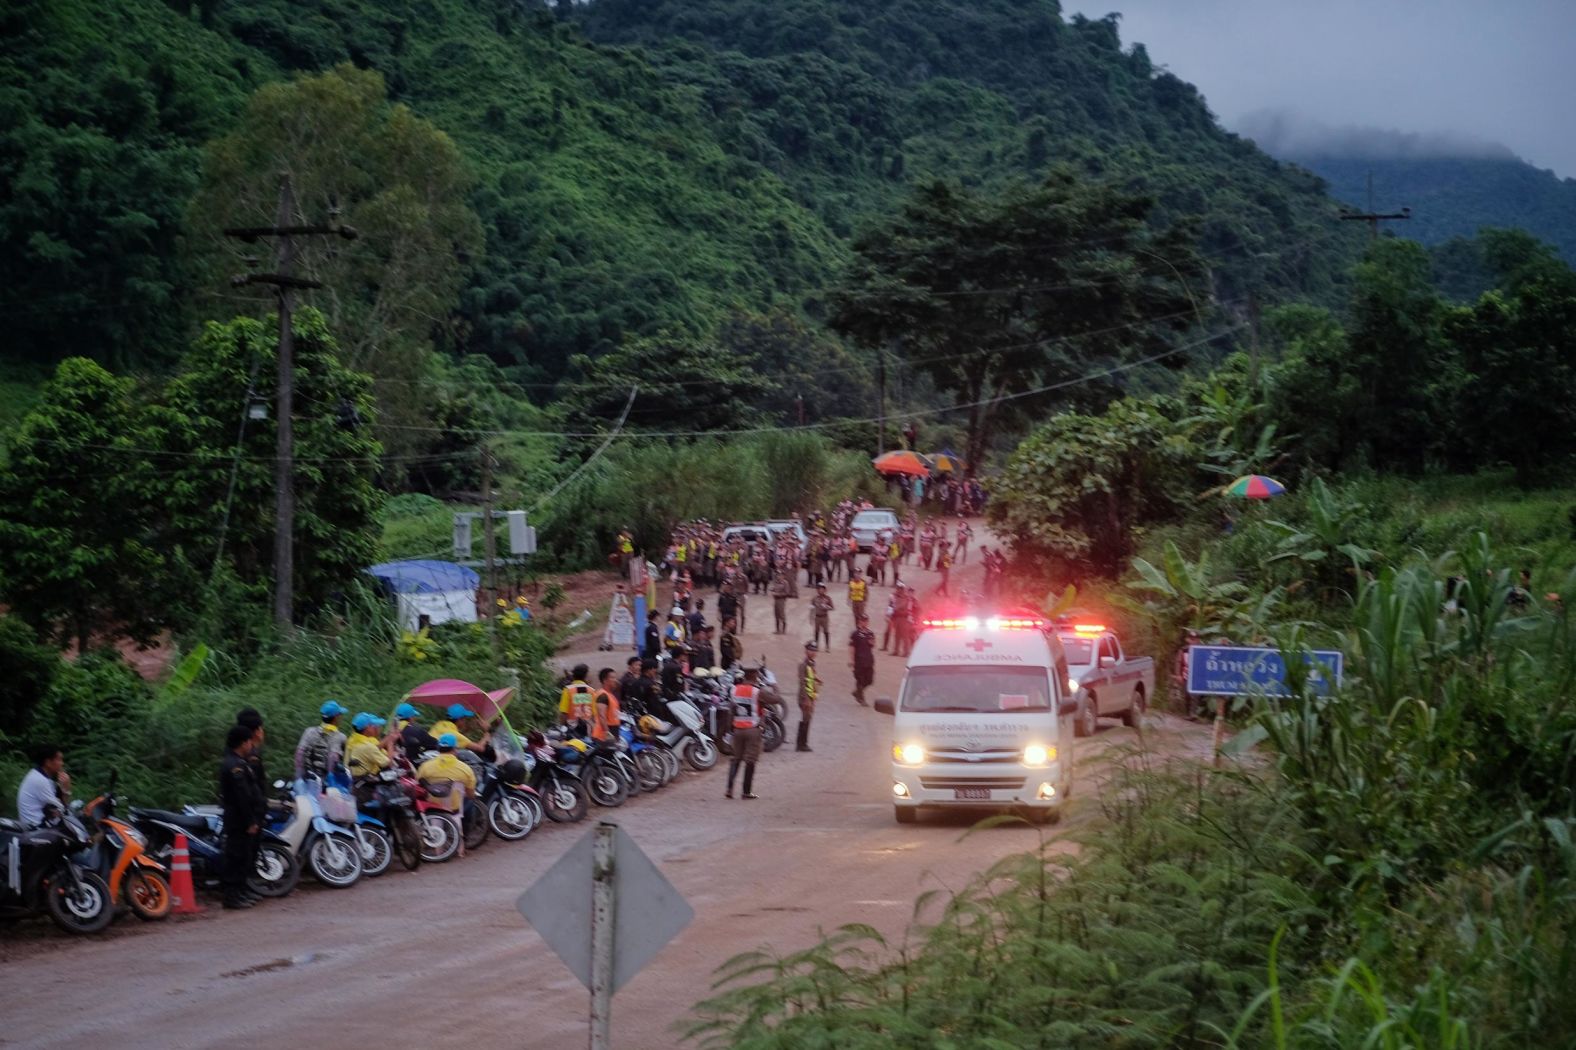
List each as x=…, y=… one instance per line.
x=440, y=957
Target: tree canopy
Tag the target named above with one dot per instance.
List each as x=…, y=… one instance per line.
x=994, y=296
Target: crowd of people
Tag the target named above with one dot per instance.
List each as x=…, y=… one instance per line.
x=769, y=560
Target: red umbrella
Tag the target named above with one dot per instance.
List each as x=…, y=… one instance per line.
x=446, y=691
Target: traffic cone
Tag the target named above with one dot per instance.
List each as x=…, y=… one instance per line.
x=181, y=888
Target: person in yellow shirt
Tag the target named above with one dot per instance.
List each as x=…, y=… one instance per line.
x=449, y=782
x=365, y=753
x=456, y=712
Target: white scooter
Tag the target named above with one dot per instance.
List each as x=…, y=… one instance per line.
x=330, y=850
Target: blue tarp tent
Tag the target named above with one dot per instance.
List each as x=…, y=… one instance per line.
x=439, y=590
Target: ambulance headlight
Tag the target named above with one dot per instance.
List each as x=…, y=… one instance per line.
x=1038, y=755
x=1072, y=685
x=908, y=754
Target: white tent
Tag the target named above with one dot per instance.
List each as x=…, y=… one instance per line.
x=439, y=590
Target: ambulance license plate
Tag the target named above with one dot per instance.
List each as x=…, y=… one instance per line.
x=980, y=793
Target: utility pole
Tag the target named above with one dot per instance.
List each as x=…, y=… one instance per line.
x=1253, y=352
x=489, y=541
x=1371, y=217
x=284, y=231
x=881, y=411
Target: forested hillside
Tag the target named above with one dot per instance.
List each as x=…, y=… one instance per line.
x=851, y=102
x=621, y=192
x=1456, y=196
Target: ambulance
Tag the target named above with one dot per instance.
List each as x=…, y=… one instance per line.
x=983, y=720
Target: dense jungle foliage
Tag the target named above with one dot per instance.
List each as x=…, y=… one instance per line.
x=620, y=192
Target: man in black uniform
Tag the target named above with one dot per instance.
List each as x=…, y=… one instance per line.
x=244, y=806
x=252, y=719
x=862, y=650
x=651, y=642
x=630, y=692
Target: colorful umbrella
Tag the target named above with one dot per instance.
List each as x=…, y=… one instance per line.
x=903, y=461
x=947, y=462
x=446, y=691
x=1255, y=486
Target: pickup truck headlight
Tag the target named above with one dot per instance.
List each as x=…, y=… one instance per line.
x=1038, y=755
x=908, y=754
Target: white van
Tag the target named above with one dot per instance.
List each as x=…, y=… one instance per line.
x=983, y=720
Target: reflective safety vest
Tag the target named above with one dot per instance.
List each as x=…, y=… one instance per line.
x=675, y=634
x=857, y=589
x=746, y=706
x=580, y=699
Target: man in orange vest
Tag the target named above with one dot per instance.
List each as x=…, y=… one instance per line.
x=746, y=730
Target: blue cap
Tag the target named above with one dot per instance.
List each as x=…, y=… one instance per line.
x=331, y=708
x=460, y=711
x=447, y=740
x=405, y=711
x=365, y=719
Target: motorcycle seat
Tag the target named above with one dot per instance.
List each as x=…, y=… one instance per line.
x=181, y=820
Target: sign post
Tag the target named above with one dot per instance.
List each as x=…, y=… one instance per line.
x=606, y=910
x=1224, y=671
x=603, y=917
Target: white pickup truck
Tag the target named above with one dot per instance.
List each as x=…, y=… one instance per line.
x=1105, y=681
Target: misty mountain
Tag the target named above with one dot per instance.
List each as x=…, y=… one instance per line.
x=1454, y=184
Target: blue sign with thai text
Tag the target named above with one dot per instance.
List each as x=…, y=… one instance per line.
x=1225, y=670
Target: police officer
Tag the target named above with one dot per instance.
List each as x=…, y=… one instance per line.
x=746, y=730
x=244, y=807
x=862, y=653
x=780, y=592
x=821, y=611
x=809, y=688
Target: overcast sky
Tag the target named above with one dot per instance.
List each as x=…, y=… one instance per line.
x=1502, y=72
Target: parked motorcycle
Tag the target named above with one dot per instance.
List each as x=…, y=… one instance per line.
x=277, y=870
x=371, y=834
x=563, y=796
x=513, y=808
x=39, y=876
x=119, y=855
x=699, y=749
x=328, y=849
x=385, y=797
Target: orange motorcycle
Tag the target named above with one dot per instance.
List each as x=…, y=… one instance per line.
x=118, y=854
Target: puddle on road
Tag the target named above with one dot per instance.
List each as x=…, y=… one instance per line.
x=278, y=964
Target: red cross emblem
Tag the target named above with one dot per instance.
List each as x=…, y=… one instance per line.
x=979, y=645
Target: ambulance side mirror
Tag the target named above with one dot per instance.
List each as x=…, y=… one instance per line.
x=884, y=705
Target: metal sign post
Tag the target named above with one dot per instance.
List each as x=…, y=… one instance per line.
x=603, y=917
x=606, y=910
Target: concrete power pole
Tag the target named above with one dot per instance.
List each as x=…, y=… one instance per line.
x=283, y=232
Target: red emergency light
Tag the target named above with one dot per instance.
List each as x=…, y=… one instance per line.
x=989, y=623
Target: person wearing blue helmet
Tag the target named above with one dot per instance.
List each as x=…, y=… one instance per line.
x=413, y=736
x=369, y=750
x=457, y=713
x=322, y=747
